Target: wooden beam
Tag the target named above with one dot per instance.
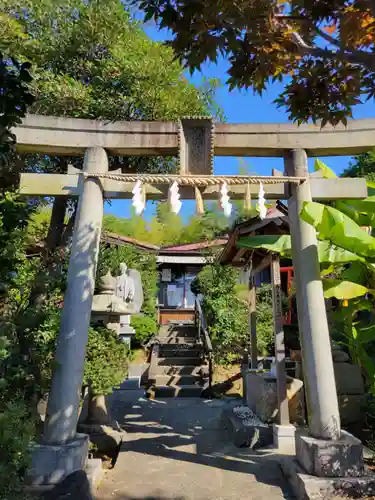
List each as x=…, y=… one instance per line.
x=68, y=185
x=253, y=323
x=283, y=415
x=239, y=255
x=72, y=136
x=264, y=264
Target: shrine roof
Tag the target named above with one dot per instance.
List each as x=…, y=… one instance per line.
x=275, y=222
x=196, y=247
x=116, y=239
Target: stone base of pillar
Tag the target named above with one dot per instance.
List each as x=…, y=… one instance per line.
x=51, y=464
x=284, y=438
x=339, y=458
x=311, y=487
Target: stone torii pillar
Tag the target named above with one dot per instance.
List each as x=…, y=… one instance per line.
x=62, y=450
x=326, y=451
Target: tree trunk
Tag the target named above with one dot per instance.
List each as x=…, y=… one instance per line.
x=53, y=241
x=56, y=226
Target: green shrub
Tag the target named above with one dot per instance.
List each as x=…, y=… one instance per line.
x=106, y=363
x=17, y=430
x=145, y=327
x=227, y=312
x=265, y=333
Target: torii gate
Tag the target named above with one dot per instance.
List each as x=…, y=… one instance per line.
x=196, y=141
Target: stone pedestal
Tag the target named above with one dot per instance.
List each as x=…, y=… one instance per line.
x=51, y=464
x=126, y=332
x=284, y=438
x=110, y=321
x=261, y=397
x=350, y=389
x=330, y=458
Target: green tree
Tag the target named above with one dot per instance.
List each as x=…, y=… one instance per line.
x=323, y=50
x=17, y=425
x=15, y=97
x=83, y=67
x=362, y=165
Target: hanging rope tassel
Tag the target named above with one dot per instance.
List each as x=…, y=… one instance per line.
x=247, y=200
x=138, y=200
x=199, y=201
x=225, y=200
x=144, y=196
x=262, y=202
x=174, y=198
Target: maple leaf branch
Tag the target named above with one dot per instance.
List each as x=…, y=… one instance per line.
x=354, y=57
x=366, y=59
x=327, y=37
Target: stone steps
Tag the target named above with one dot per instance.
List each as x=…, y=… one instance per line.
x=179, y=352
x=166, y=380
x=171, y=391
x=188, y=341
x=179, y=369
x=180, y=361
x=177, y=331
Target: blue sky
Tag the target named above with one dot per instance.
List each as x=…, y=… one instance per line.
x=240, y=107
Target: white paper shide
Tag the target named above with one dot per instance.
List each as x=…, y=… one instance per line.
x=174, y=198
x=225, y=200
x=262, y=202
x=138, y=201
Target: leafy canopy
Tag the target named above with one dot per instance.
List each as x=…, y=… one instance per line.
x=362, y=165
x=322, y=49
x=91, y=60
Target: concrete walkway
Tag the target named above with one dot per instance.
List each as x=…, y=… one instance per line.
x=175, y=450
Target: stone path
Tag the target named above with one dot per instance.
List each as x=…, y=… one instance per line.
x=175, y=450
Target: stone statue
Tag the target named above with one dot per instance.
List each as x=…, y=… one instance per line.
x=129, y=288
x=118, y=298
x=125, y=288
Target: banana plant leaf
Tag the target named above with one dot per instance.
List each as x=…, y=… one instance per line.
x=368, y=364
x=274, y=243
x=326, y=171
x=364, y=335
x=282, y=244
x=357, y=273
x=341, y=289
x=361, y=211
x=339, y=229
x=358, y=217
x=366, y=205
